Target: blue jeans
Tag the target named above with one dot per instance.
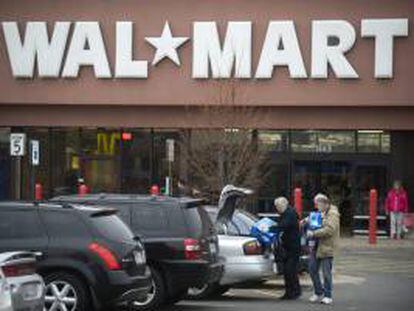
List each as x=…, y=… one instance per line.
x=315, y=264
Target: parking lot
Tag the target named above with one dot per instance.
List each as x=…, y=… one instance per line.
x=367, y=278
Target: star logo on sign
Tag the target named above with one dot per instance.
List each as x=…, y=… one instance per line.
x=166, y=45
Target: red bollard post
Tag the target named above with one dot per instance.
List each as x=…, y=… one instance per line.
x=83, y=190
x=373, y=203
x=155, y=190
x=298, y=201
x=38, y=192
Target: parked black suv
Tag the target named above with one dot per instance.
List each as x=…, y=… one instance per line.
x=88, y=256
x=179, y=237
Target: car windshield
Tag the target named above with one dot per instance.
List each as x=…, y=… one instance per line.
x=113, y=228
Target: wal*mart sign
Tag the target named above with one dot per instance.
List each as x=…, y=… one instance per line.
x=72, y=45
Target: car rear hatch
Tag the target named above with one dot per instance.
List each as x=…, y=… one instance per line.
x=229, y=201
x=202, y=241
x=115, y=244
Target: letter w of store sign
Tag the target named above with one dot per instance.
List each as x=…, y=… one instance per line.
x=106, y=143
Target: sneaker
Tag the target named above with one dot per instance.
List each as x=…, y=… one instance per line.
x=315, y=298
x=327, y=301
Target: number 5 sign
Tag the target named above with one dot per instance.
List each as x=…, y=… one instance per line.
x=17, y=144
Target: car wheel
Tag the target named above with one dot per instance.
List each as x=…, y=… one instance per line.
x=202, y=292
x=155, y=297
x=65, y=291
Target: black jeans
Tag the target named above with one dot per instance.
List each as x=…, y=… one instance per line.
x=291, y=267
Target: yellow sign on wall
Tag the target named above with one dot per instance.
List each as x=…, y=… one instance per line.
x=107, y=142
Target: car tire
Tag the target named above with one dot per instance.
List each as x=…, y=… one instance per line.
x=202, y=292
x=69, y=285
x=157, y=295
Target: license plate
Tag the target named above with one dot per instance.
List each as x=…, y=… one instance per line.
x=31, y=291
x=139, y=258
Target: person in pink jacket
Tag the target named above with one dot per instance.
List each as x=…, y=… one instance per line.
x=396, y=205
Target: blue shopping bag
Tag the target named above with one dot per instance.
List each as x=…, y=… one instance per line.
x=265, y=230
x=315, y=220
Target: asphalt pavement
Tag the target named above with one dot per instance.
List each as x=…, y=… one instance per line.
x=368, y=278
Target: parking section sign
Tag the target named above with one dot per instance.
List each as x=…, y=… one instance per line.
x=17, y=144
x=35, y=152
x=170, y=150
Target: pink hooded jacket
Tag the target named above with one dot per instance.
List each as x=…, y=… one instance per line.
x=397, y=201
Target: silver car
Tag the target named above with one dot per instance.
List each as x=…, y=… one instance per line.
x=245, y=258
x=20, y=287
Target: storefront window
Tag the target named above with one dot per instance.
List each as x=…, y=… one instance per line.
x=385, y=143
x=275, y=183
x=66, y=169
x=100, y=159
x=304, y=141
x=91, y=155
x=161, y=167
x=323, y=141
x=374, y=142
x=136, y=161
x=5, y=164
x=336, y=141
x=130, y=161
x=274, y=140
x=35, y=174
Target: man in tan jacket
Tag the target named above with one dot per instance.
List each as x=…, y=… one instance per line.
x=327, y=238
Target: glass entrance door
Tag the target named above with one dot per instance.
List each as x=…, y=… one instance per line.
x=347, y=183
x=332, y=178
x=369, y=177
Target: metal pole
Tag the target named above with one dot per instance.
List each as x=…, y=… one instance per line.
x=18, y=180
x=33, y=181
x=170, y=180
x=32, y=172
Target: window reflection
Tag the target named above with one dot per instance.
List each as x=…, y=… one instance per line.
x=385, y=143
x=341, y=141
x=323, y=141
x=304, y=141
x=274, y=140
x=336, y=141
x=374, y=141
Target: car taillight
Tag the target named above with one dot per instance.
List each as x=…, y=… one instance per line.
x=18, y=270
x=106, y=255
x=192, y=249
x=252, y=248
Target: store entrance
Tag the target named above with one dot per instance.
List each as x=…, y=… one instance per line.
x=330, y=177
x=347, y=183
x=370, y=176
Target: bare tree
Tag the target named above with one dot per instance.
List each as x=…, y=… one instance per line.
x=225, y=150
